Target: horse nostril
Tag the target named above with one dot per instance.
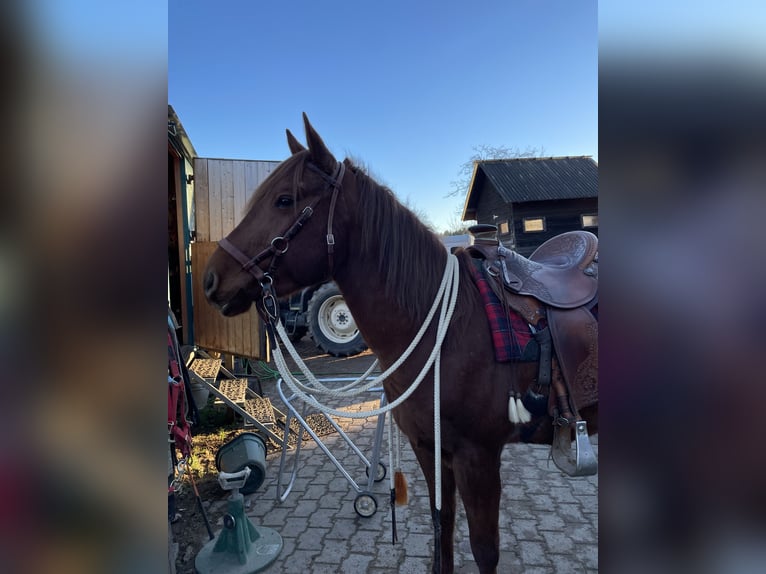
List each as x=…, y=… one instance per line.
x=210, y=283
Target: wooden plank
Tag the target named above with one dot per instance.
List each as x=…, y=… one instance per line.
x=227, y=197
x=238, y=181
x=202, y=310
x=229, y=329
x=240, y=190
x=251, y=179
x=240, y=199
x=214, y=178
x=201, y=199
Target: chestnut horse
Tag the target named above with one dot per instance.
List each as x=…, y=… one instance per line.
x=316, y=219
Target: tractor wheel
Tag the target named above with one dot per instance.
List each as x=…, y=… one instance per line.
x=331, y=324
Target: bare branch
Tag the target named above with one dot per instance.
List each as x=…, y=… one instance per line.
x=486, y=152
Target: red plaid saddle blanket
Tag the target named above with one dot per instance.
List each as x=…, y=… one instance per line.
x=510, y=332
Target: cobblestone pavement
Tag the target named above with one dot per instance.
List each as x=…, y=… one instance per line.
x=548, y=521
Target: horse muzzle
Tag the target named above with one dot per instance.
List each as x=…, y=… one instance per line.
x=238, y=303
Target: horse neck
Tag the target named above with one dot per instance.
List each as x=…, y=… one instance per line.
x=388, y=325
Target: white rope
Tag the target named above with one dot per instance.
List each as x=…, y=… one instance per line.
x=356, y=387
x=398, y=447
x=446, y=298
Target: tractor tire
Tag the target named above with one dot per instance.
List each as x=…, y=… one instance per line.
x=331, y=325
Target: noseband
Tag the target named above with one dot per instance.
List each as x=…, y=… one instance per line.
x=280, y=244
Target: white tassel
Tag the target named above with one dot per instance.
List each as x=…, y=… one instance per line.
x=513, y=414
x=524, y=415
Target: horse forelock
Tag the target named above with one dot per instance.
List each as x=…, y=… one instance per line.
x=409, y=256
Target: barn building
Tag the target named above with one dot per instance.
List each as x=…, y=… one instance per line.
x=532, y=199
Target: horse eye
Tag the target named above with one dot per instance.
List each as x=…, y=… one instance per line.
x=284, y=201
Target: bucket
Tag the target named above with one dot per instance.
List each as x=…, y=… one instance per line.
x=200, y=394
x=247, y=449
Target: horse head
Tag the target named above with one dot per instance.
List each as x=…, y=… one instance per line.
x=290, y=234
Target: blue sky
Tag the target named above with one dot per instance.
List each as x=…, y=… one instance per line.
x=408, y=88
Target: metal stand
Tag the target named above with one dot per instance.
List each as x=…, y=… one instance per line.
x=365, y=504
x=241, y=547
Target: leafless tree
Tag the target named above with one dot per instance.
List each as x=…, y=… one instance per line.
x=485, y=152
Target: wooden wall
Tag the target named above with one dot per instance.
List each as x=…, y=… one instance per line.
x=560, y=216
x=221, y=190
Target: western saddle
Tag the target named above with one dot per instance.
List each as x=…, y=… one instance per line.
x=559, y=283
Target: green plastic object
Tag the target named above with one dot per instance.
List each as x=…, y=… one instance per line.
x=246, y=450
x=240, y=547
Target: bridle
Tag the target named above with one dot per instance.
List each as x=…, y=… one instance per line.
x=279, y=245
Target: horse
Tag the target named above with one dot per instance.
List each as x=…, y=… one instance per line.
x=316, y=219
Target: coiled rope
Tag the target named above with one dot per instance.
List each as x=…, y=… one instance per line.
x=445, y=300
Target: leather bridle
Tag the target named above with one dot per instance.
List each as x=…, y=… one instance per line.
x=281, y=243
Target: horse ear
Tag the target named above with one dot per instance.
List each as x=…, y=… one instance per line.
x=293, y=143
x=320, y=155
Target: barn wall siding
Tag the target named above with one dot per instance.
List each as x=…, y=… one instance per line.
x=560, y=217
x=490, y=205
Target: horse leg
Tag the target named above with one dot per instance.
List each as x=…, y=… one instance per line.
x=447, y=513
x=477, y=474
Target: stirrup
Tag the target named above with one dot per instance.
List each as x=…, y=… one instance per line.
x=580, y=463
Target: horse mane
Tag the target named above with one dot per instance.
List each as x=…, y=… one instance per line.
x=409, y=254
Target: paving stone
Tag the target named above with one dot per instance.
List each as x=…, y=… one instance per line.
x=341, y=529
x=533, y=553
x=305, y=508
x=413, y=565
x=567, y=564
x=293, y=526
x=312, y=539
x=355, y=564
x=571, y=513
x=525, y=529
x=547, y=521
x=333, y=552
x=588, y=554
x=388, y=557
x=558, y=541
x=302, y=560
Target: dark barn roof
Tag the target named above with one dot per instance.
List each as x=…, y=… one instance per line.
x=534, y=179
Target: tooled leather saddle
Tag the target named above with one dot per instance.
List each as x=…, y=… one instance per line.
x=559, y=283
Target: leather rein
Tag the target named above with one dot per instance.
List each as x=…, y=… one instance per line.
x=281, y=243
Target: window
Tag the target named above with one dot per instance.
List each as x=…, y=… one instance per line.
x=504, y=228
x=534, y=224
x=590, y=220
